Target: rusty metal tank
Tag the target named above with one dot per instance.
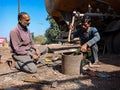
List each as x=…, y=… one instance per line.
x=55, y=7
x=108, y=26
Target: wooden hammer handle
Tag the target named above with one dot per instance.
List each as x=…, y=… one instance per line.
x=70, y=31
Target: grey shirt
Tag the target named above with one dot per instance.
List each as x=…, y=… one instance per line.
x=91, y=37
x=20, y=41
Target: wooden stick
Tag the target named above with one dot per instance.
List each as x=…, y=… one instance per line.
x=70, y=31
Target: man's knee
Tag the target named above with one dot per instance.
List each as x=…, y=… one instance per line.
x=32, y=69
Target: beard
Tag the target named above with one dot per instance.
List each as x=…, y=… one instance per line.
x=24, y=24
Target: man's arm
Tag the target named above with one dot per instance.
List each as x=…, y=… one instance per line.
x=95, y=39
x=35, y=47
x=16, y=44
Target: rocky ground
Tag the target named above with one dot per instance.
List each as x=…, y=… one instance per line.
x=50, y=76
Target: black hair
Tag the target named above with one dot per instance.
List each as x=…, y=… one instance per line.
x=86, y=19
x=21, y=14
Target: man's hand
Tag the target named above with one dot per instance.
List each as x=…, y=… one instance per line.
x=84, y=47
x=38, y=52
x=35, y=57
x=71, y=27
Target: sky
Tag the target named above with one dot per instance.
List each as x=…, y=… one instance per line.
x=35, y=8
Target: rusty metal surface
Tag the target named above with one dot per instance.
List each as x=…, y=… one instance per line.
x=54, y=7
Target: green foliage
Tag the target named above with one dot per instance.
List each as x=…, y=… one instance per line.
x=40, y=39
x=53, y=32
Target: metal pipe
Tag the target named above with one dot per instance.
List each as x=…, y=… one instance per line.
x=18, y=6
x=103, y=2
x=96, y=14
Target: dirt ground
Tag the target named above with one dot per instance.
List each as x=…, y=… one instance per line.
x=50, y=76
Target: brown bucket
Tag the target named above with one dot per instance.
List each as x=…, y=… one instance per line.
x=71, y=64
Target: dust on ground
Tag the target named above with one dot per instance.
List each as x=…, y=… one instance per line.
x=50, y=76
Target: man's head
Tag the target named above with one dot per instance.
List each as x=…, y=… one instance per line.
x=86, y=24
x=24, y=19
